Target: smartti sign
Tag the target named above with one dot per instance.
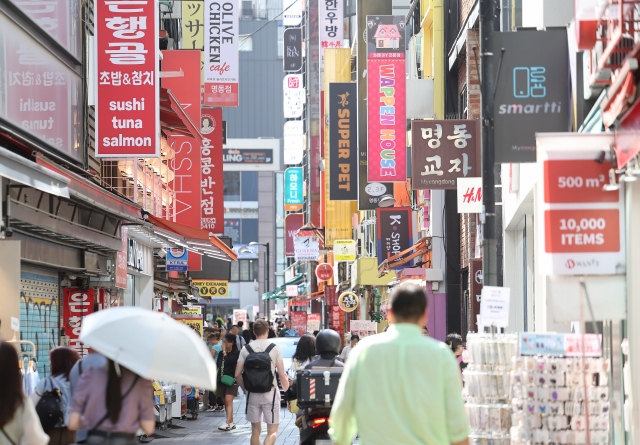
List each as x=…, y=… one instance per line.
x=533, y=91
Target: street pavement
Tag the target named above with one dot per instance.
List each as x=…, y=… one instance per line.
x=204, y=430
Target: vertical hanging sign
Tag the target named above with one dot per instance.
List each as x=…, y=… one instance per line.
x=387, y=146
x=292, y=41
x=293, y=188
x=77, y=304
x=127, y=100
x=221, y=58
x=343, y=134
x=212, y=184
x=330, y=20
x=394, y=231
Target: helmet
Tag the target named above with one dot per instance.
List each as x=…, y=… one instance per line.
x=328, y=340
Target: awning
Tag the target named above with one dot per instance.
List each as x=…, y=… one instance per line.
x=199, y=241
x=295, y=280
x=24, y=171
x=276, y=294
x=418, y=249
x=94, y=195
x=174, y=119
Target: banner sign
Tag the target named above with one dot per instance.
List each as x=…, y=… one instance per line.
x=343, y=142
x=443, y=151
x=122, y=259
x=344, y=250
x=221, y=56
x=469, y=195
x=394, y=231
x=363, y=328
x=294, y=96
x=292, y=223
x=212, y=183
x=494, y=306
x=330, y=21
x=77, y=304
x=293, y=142
x=192, y=25
x=368, y=193
x=186, y=160
x=293, y=188
x=177, y=259
x=247, y=156
x=292, y=55
x=211, y=288
x=387, y=146
x=583, y=225
x=313, y=322
x=475, y=294
x=240, y=315
x=330, y=295
x=299, y=322
x=532, y=94
x=127, y=99
x=194, y=321
x=306, y=248
x=292, y=12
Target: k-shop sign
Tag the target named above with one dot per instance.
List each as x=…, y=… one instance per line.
x=127, y=102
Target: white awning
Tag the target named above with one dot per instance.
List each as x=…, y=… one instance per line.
x=19, y=169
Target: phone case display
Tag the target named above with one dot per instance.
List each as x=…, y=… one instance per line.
x=487, y=387
x=551, y=406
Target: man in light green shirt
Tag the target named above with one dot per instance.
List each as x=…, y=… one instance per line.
x=401, y=387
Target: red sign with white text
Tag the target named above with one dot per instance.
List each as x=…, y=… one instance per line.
x=186, y=90
x=77, y=304
x=579, y=180
x=387, y=123
x=299, y=322
x=186, y=182
x=582, y=230
x=292, y=222
x=127, y=102
x=212, y=184
x=324, y=272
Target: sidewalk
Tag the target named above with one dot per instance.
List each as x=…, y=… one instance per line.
x=205, y=429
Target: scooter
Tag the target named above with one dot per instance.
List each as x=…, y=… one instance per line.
x=316, y=391
x=315, y=427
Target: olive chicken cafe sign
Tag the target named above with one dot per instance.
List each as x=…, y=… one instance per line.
x=127, y=102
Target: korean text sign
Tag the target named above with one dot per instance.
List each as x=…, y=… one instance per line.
x=394, y=231
x=211, y=174
x=343, y=141
x=293, y=188
x=221, y=57
x=583, y=225
x=330, y=21
x=443, y=151
x=78, y=303
x=532, y=94
x=127, y=102
x=386, y=109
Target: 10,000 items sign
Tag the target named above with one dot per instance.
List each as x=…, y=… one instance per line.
x=127, y=104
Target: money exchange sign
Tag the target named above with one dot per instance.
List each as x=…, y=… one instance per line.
x=212, y=288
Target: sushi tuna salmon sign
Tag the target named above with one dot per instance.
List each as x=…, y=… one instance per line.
x=127, y=102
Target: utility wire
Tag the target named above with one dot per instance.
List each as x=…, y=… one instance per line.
x=269, y=21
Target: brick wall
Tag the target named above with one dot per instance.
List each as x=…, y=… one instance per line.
x=465, y=9
x=473, y=79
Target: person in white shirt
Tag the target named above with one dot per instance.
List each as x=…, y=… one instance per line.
x=347, y=349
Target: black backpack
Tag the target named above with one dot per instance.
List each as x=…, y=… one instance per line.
x=49, y=408
x=257, y=375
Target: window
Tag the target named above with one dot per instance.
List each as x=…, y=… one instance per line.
x=246, y=43
x=249, y=186
x=244, y=270
x=463, y=106
x=232, y=186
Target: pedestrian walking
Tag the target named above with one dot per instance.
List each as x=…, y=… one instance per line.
x=93, y=360
x=455, y=343
x=112, y=403
x=416, y=379
x=215, y=403
x=347, y=349
x=258, y=380
x=62, y=360
x=19, y=423
x=227, y=387
x=305, y=352
x=240, y=342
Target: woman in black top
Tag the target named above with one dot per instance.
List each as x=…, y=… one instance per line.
x=227, y=366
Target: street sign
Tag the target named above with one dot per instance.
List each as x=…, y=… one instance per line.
x=177, y=259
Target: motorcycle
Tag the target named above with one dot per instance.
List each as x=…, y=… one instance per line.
x=316, y=391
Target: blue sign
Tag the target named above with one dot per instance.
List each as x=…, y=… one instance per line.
x=541, y=344
x=293, y=186
x=177, y=259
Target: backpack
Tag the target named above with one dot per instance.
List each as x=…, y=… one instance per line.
x=257, y=375
x=49, y=408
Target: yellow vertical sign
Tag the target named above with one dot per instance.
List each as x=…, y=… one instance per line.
x=193, y=29
x=337, y=68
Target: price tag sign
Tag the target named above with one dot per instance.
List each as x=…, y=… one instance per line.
x=494, y=306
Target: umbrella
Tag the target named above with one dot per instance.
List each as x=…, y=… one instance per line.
x=151, y=344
